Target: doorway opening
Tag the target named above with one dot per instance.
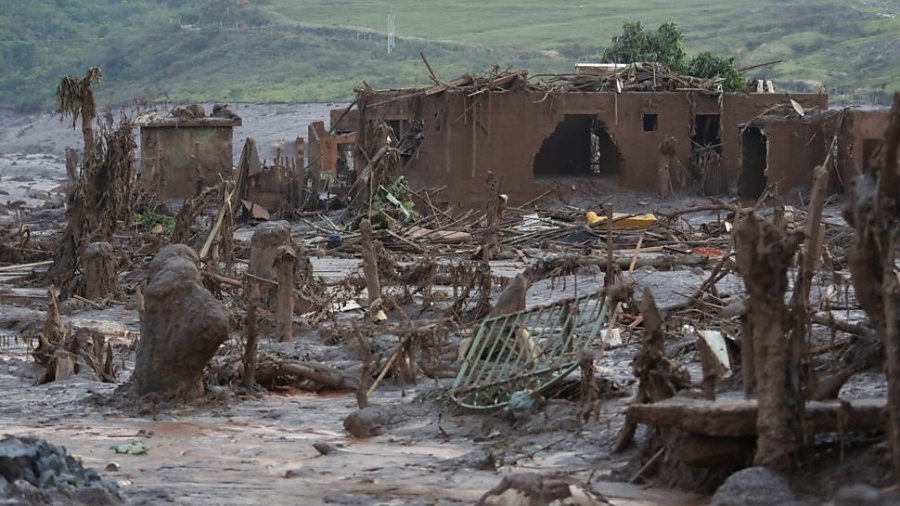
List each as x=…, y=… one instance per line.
x=706, y=155
x=580, y=146
x=754, y=152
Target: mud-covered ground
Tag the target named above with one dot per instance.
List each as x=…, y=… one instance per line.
x=236, y=448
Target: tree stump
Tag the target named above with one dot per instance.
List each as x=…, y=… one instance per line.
x=764, y=254
x=284, y=265
x=100, y=278
x=182, y=328
x=264, y=247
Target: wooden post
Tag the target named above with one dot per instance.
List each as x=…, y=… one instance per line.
x=252, y=339
x=284, y=266
x=370, y=267
x=495, y=207
x=610, y=278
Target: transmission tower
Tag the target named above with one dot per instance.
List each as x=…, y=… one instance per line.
x=390, y=44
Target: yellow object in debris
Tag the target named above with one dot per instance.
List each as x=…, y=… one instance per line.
x=622, y=220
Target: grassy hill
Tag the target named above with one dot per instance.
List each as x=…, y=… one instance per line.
x=304, y=51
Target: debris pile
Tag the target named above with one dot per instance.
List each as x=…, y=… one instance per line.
x=635, y=77
x=32, y=471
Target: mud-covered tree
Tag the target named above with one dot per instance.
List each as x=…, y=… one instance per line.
x=102, y=192
x=873, y=211
x=75, y=98
x=764, y=255
x=181, y=328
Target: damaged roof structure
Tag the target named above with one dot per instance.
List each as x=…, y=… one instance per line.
x=637, y=127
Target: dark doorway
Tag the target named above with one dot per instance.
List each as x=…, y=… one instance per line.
x=754, y=150
x=706, y=131
x=580, y=146
x=706, y=155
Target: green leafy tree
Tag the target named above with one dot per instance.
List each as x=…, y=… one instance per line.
x=665, y=46
x=710, y=66
x=638, y=45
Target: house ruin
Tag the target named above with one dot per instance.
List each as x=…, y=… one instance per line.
x=636, y=129
x=181, y=154
x=781, y=148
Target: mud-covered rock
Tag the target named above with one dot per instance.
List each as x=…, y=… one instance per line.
x=375, y=420
x=754, y=486
x=865, y=495
x=32, y=471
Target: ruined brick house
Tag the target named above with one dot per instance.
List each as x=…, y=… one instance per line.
x=181, y=155
x=780, y=149
x=562, y=140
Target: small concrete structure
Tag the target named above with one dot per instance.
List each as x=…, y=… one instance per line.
x=180, y=156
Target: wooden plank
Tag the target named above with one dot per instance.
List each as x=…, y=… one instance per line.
x=737, y=417
x=21, y=267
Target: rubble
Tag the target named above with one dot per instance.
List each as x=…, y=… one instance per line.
x=33, y=471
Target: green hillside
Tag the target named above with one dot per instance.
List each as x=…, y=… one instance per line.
x=303, y=51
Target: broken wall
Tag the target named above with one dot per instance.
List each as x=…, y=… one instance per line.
x=178, y=157
x=330, y=154
x=343, y=120
x=536, y=142
x=784, y=150
x=868, y=130
x=792, y=150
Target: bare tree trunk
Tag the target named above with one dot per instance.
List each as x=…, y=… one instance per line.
x=252, y=338
x=660, y=377
x=495, y=208
x=874, y=212
x=764, y=255
x=100, y=277
x=265, y=245
x=370, y=267
x=71, y=170
x=284, y=314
